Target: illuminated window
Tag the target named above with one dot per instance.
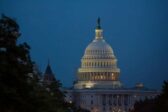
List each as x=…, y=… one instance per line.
x=101, y=77
x=113, y=76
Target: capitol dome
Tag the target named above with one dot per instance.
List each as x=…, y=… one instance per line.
x=99, y=45
x=98, y=65
x=98, y=48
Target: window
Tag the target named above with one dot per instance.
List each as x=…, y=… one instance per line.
x=104, y=100
x=104, y=109
x=91, y=102
x=110, y=100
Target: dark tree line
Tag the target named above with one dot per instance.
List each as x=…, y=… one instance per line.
x=158, y=104
x=20, y=88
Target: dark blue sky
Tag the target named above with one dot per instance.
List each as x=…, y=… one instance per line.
x=60, y=30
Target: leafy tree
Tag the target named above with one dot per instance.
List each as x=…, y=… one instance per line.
x=56, y=102
x=16, y=78
x=162, y=100
x=73, y=108
x=20, y=88
x=158, y=104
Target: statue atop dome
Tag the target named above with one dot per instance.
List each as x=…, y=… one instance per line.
x=98, y=30
x=98, y=23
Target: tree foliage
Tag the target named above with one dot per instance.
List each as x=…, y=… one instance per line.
x=20, y=88
x=158, y=104
x=162, y=100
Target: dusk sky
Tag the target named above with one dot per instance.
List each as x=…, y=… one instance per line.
x=60, y=30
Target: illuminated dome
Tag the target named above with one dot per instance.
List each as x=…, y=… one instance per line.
x=98, y=65
x=98, y=49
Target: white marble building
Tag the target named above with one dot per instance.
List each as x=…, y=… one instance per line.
x=98, y=87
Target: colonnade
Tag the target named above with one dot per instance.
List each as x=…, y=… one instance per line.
x=97, y=76
x=115, y=102
x=116, y=99
x=87, y=64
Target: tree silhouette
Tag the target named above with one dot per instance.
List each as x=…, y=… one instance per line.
x=158, y=104
x=16, y=77
x=20, y=88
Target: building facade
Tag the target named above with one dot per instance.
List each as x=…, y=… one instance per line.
x=98, y=87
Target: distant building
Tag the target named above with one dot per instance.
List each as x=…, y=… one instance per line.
x=48, y=76
x=98, y=87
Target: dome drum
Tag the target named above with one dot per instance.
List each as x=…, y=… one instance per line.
x=98, y=85
x=98, y=76
x=99, y=64
x=117, y=70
